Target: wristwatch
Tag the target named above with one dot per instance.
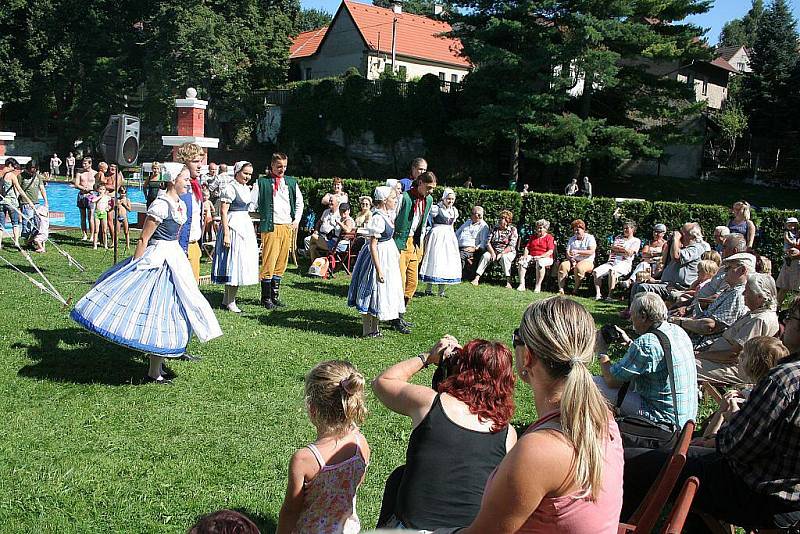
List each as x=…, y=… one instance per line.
x=423, y=356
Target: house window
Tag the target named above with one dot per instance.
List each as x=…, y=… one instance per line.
x=402, y=71
x=387, y=68
x=705, y=87
x=454, y=78
x=441, y=76
x=690, y=80
x=308, y=74
x=741, y=66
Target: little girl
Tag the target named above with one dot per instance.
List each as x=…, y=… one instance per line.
x=122, y=217
x=102, y=202
x=789, y=276
x=324, y=476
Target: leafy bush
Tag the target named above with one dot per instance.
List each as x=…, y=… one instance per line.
x=603, y=216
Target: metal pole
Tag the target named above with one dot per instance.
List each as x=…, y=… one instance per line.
x=116, y=213
x=394, y=45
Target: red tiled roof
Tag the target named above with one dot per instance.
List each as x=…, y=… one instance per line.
x=417, y=36
x=307, y=43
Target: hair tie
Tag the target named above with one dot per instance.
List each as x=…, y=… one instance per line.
x=575, y=361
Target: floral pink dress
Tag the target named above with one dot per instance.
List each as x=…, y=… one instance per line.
x=330, y=497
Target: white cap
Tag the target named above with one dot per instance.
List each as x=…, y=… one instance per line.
x=791, y=220
x=381, y=193
x=743, y=257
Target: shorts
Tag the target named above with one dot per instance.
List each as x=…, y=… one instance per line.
x=83, y=200
x=10, y=211
x=101, y=215
x=121, y=218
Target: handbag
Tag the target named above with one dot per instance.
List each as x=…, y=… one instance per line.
x=641, y=432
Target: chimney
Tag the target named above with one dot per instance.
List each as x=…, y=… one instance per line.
x=438, y=9
x=397, y=7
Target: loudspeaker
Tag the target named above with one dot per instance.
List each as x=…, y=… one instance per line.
x=119, y=142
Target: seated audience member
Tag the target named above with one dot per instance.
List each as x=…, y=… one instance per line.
x=706, y=270
x=460, y=433
x=331, y=228
x=759, y=355
x=315, y=243
x=224, y=522
x=565, y=472
x=740, y=222
x=540, y=251
x=720, y=233
x=580, y=256
x=652, y=253
x=751, y=478
x=789, y=275
x=718, y=362
x=365, y=213
x=682, y=254
x=646, y=369
x=473, y=237
x=620, y=259
x=712, y=255
x=502, y=247
x=336, y=196
x=726, y=308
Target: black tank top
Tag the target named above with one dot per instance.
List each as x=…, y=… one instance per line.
x=446, y=470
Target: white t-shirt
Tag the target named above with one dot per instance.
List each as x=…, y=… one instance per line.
x=586, y=243
x=633, y=244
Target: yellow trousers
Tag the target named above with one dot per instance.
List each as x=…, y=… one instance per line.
x=275, y=251
x=409, y=267
x=193, y=252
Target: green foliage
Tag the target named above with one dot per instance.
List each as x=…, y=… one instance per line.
x=738, y=32
x=311, y=19
x=530, y=55
x=732, y=121
x=418, y=7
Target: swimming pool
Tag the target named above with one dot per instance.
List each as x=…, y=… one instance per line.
x=64, y=210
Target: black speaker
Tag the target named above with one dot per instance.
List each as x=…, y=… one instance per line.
x=120, y=140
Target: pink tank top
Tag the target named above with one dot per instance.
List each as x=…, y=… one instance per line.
x=329, y=500
x=574, y=514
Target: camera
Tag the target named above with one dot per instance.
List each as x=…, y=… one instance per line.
x=610, y=334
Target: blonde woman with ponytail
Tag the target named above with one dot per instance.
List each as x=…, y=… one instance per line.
x=325, y=475
x=565, y=472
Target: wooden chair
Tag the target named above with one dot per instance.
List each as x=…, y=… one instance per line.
x=681, y=507
x=344, y=257
x=644, y=518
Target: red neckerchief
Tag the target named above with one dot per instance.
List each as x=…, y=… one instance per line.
x=419, y=201
x=277, y=181
x=198, y=194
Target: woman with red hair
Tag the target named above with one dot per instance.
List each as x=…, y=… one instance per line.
x=460, y=433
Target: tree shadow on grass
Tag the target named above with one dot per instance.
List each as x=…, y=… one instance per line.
x=77, y=356
x=317, y=321
x=320, y=286
x=266, y=523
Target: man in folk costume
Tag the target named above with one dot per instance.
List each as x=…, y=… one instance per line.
x=409, y=224
x=280, y=206
x=192, y=156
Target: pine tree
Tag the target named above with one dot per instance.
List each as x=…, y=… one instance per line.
x=534, y=57
x=738, y=32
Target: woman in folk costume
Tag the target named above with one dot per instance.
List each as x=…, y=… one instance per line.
x=150, y=301
x=376, y=289
x=236, y=252
x=442, y=261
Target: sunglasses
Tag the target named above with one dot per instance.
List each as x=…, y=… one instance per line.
x=516, y=340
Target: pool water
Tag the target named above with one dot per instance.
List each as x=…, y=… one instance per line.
x=64, y=211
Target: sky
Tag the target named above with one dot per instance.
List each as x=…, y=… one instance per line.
x=722, y=11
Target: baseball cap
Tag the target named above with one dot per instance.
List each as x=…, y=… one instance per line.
x=659, y=228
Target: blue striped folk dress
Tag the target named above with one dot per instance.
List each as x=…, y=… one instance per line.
x=382, y=300
x=236, y=265
x=151, y=304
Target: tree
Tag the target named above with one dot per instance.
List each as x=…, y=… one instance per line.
x=311, y=19
x=738, y=32
x=768, y=91
x=732, y=122
x=571, y=82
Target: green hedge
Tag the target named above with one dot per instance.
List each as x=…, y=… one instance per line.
x=603, y=216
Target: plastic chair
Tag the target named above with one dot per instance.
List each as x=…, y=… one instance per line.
x=644, y=518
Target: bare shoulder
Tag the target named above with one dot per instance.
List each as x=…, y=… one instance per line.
x=303, y=462
x=547, y=453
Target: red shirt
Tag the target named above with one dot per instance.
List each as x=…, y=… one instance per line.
x=537, y=246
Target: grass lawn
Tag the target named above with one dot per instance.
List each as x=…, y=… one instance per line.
x=87, y=449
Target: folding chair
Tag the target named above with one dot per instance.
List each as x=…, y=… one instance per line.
x=681, y=507
x=644, y=518
x=344, y=257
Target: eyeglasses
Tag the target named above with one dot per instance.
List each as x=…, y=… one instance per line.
x=785, y=316
x=516, y=340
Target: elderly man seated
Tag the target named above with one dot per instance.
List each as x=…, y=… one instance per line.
x=684, y=250
x=620, y=259
x=751, y=476
x=727, y=308
x=473, y=237
x=332, y=224
x=645, y=367
x=718, y=361
x=720, y=233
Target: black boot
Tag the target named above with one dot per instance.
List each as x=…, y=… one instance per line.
x=276, y=288
x=407, y=324
x=400, y=326
x=266, y=294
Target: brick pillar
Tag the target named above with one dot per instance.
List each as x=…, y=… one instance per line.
x=191, y=124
